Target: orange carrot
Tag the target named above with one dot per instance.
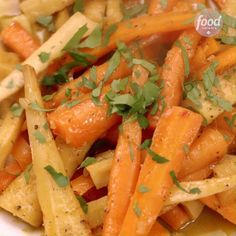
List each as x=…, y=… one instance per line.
x=19, y=40
x=13, y=168
x=208, y=148
x=82, y=123
x=227, y=211
x=22, y=153
x=158, y=230
x=155, y=6
x=210, y=46
x=5, y=180
x=173, y=76
x=122, y=71
x=82, y=184
x=155, y=175
x=143, y=26
x=123, y=177
x=176, y=218
x=225, y=59
x=198, y=175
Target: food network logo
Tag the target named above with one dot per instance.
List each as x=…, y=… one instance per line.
x=208, y=22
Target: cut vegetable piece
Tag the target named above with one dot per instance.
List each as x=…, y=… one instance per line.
x=82, y=184
x=159, y=230
x=156, y=176
x=96, y=212
x=143, y=26
x=173, y=76
x=113, y=12
x=61, y=210
x=123, y=177
x=19, y=40
x=100, y=170
x=54, y=46
x=203, y=188
x=209, y=147
x=9, y=131
x=22, y=153
x=82, y=123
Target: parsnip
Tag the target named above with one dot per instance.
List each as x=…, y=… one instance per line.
x=62, y=214
x=100, y=170
x=53, y=46
x=207, y=187
x=9, y=131
x=96, y=211
x=114, y=13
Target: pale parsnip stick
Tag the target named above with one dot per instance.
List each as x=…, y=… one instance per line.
x=62, y=214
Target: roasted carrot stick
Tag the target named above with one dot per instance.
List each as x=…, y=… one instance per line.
x=82, y=184
x=225, y=59
x=155, y=175
x=19, y=40
x=176, y=218
x=123, y=177
x=173, y=76
x=156, y=6
x=83, y=122
x=143, y=26
x=122, y=71
x=159, y=230
x=22, y=153
x=227, y=211
x=208, y=148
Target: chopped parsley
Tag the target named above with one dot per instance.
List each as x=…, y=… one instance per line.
x=185, y=58
x=10, y=84
x=60, y=179
x=119, y=85
x=39, y=136
x=231, y=40
x=88, y=161
x=178, y=185
x=16, y=110
x=48, y=97
x=156, y=157
x=229, y=21
x=143, y=189
x=146, y=144
x=26, y=173
x=35, y=106
x=112, y=65
x=192, y=92
x=94, y=39
x=75, y=40
x=83, y=204
x=230, y=122
x=71, y=103
x=44, y=57
x=137, y=209
x=146, y=64
x=109, y=31
x=125, y=52
x=46, y=22
x=78, y=6
x=134, y=11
